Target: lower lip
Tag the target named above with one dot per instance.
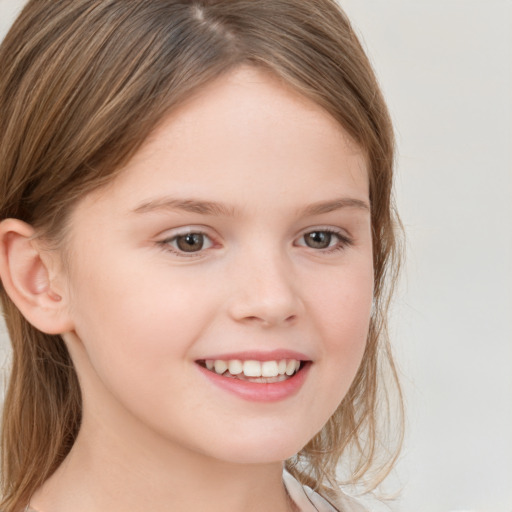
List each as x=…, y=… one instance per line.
x=259, y=391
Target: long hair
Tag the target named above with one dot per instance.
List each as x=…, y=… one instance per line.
x=82, y=85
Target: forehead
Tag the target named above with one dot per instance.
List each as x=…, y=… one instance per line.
x=245, y=132
x=245, y=103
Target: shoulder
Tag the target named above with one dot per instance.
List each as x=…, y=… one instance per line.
x=308, y=500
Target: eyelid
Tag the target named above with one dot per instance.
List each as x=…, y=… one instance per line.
x=173, y=234
x=344, y=239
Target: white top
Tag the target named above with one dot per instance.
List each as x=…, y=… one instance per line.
x=309, y=501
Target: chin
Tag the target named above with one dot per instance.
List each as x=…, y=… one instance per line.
x=260, y=448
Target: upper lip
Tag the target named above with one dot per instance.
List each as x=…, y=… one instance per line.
x=258, y=355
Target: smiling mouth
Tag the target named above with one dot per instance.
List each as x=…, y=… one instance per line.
x=265, y=372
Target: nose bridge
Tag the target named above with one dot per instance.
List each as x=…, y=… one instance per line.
x=265, y=291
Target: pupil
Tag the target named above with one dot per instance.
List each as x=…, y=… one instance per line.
x=318, y=239
x=191, y=242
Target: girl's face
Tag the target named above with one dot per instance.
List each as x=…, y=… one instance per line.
x=240, y=233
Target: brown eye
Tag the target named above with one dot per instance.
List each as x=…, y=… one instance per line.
x=318, y=239
x=191, y=242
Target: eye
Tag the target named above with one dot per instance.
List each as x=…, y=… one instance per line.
x=323, y=239
x=191, y=242
x=318, y=239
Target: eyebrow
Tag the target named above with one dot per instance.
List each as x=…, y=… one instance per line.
x=188, y=205
x=333, y=205
x=214, y=208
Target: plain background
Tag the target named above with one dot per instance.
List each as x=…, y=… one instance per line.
x=446, y=70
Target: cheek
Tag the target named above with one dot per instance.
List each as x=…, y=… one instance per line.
x=342, y=313
x=132, y=316
x=343, y=300
x=136, y=330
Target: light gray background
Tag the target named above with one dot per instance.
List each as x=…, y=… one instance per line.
x=446, y=69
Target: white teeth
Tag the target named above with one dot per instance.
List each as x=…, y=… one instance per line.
x=269, y=369
x=235, y=367
x=291, y=367
x=253, y=368
x=220, y=366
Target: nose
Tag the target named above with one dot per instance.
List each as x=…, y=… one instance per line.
x=265, y=292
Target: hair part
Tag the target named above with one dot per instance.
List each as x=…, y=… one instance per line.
x=83, y=84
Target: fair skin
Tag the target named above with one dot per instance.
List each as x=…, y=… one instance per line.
x=279, y=268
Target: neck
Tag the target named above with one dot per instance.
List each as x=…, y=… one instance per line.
x=120, y=469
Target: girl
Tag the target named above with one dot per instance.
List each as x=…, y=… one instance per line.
x=196, y=250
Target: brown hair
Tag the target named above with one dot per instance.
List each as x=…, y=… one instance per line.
x=83, y=84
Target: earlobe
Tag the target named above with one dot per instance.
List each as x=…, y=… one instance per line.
x=25, y=271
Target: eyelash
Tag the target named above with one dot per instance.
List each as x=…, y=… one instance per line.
x=166, y=244
x=343, y=242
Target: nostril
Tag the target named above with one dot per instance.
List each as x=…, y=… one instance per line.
x=269, y=320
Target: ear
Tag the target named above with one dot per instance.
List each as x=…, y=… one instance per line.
x=27, y=273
